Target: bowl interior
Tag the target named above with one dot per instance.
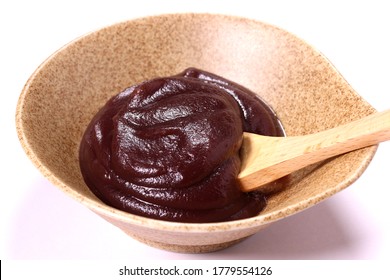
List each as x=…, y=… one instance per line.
x=305, y=90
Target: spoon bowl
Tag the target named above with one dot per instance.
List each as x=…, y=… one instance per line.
x=301, y=85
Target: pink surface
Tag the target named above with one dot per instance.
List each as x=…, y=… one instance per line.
x=49, y=225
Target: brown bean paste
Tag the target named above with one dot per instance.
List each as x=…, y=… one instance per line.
x=168, y=148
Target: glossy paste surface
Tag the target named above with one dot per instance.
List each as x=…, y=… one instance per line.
x=168, y=148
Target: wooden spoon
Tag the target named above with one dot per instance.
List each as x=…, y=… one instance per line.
x=265, y=158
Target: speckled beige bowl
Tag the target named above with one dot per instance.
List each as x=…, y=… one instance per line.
x=306, y=91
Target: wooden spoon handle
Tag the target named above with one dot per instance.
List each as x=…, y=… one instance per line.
x=266, y=159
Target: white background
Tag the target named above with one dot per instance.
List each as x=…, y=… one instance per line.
x=37, y=221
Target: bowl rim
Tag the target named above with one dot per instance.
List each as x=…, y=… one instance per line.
x=111, y=212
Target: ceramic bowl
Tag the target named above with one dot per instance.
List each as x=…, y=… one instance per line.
x=301, y=85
